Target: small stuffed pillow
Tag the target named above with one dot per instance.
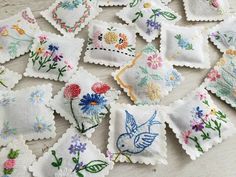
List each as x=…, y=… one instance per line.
x=24, y=112
x=84, y=101
x=147, y=16
x=221, y=80
x=198, y=123
x=110, y=44
x=113, y=2
x=148, y=77
x=223, y=35
x=137, y=134
x=15, y=159
x=185, y=46
x=54, y=57
x=70, y=16
x=16, y=35
x=206, y=10
x=8, y=78
x=72, y=156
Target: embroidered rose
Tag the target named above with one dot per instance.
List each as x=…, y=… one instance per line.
x=215, y=3
x=154, y=61
x=186, y=136
x=123, y=42
x=100, y=88
x=213, y=75
x=9, y=164
x=72, y=91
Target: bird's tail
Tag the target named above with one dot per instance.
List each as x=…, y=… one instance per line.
x=152, y=120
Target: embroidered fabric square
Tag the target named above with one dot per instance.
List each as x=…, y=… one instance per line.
x=185, y=46
x=72, y=156
x=148, y=77
x=71, y=16
x=16, y=35
x=137, y=134
x=198, y=123
x=24, y=112
x=54, y=57
x=147, y=16
x=221, y=80
x=8, y=78
x=110, y=44
x=223, y=35
x=113, y=2
x=206, y=10
x=15, y=159
x=84, y=101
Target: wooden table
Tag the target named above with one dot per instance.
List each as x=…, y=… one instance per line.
x=218, y=162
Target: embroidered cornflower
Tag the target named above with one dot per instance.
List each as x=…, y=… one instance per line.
x=81, y=147
x=198, y=113
x=41, y=126
x=73, y=149
x=7, y=131
x=37, y=97
x=92, y=104
x=172, y=78
x=53, y=48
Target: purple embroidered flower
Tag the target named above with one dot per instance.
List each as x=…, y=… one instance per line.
x=197, y=126
x=153, y=24
x=198, y=112
x=81, y=147
x=79, y=166
x=53, y=48
x=58, y=58
x=73, y=149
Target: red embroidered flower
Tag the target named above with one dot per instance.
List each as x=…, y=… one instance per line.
x=100, y=88
x=9, y=164
x=213, y=75
x=72, y=91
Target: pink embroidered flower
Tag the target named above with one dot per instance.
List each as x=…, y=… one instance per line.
x=97, y=39
x=43, y=38
x=100, y=88
x=69, y=66
x=9, y=164
x=154, y=61
x=109, y=154
x=186, y=136
x=206, y=117
x=213, y=75
x=201, y=96
x=72, y=91
x=215, y=3
x=47, y=54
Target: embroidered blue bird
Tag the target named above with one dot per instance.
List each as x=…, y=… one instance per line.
x=137, y=138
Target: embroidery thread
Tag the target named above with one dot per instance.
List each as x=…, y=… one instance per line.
x=10, y=163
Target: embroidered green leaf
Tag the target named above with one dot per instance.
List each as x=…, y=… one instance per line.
x=134, y=3
x=156, y=77
x=74, y=160
x=95, y=166
x=217, y=127
x=13, y=47
x=178, y=36
x=149, y=49
x=168, y=15
x=143, y=81
x=58, y=161
x=79, y=174
x=138, y=15
x=144, y=70
x=13, y=154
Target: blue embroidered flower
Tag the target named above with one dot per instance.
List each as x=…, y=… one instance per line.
x=73, y=149
x=41, y=126
x=7, y=131
x=197, y=112
x=92, y=104
x=53, y=48
x=82, y=147
x=37, y=97
x=183, y=43
x=172, y=78
x=7, y=99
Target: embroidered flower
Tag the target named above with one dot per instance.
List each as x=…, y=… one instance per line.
x=81, y=147
x=80, y=165
x=19, y=30
x=73, y=149
x=7, y=131
x=37, y=97
x=153, y=25
x=68, y=65
x=123, y=42
x=41, y=126
x=42, y=39
x=215, y=3
x=97, y=39
x=100, y=88
x=4, y=31
x=183, y=43
x=92, y=104
x=53, y=48
x=65, y=172
x=197, y=126
x=111, y=37
x=57, y=58
x=7, y=99
x=213, y=75
x=9, y=164
x=186, y=136
x=154, y=61
x=40, y=50
x=47, y=54
x=153, y=91
x=147, y=5
x=109, y=154
x=201, y=96
x=72, y=91
x=198, y=113
x=172, y=78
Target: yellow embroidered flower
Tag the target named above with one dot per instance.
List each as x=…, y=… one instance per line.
x=18, y=29
x=213, y=111
x=111, y=37
x=221, y=62
x=40, y=50
x=153, y=91
x=147, y=5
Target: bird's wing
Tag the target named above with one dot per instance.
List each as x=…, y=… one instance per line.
x=151, y=121
x=143, y=140
x=130, y=124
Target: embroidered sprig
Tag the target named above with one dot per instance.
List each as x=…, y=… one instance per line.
x=10, y=163
x=183, y=43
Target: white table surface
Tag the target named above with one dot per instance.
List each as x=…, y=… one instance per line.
x=220, y=161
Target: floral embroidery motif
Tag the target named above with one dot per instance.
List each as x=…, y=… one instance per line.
x=76, y=149
x=37, y=97
x=227, y=38
x=154, y=61
x=10, y=163
x=215, y=4
x=40, y=126
x=7, y=99
x=48, y=57
x=92, y=105
x=27, y=17
x=183, y=43
x=7, y=131
x=71, y=5
x=207, y=121
x=136, y=139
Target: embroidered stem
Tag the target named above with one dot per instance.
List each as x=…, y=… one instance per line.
x=205, y=135
x=198, y=146
x=42, y=63
x=73, y=114
x=10, y=163
x=58, y=162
